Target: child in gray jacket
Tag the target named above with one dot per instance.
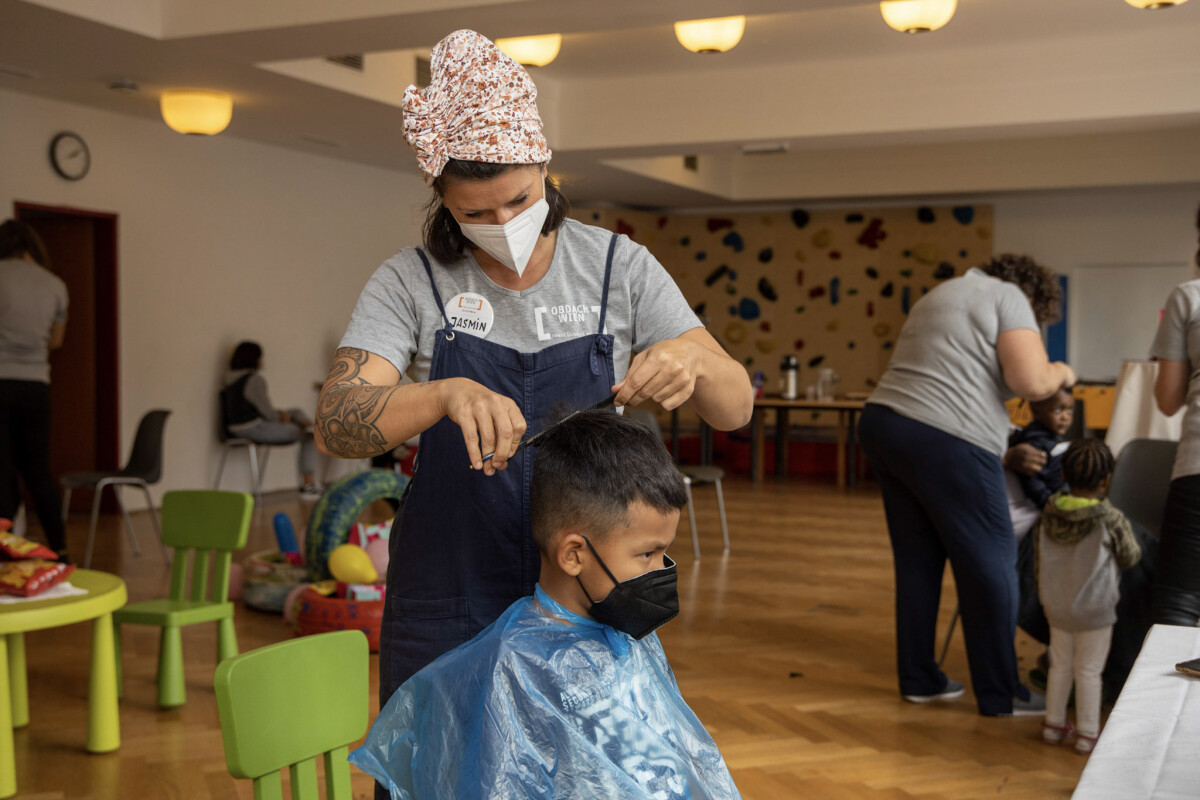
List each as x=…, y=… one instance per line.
x=1082, y=543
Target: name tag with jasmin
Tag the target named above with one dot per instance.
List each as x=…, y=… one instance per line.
x=471, y=313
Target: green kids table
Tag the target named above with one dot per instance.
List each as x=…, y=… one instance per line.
x=105, y=594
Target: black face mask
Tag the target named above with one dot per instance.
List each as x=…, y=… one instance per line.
x=638, y=605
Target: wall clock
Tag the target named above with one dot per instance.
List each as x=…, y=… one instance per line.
x=69, y=156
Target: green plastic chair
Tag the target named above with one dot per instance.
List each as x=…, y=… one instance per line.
x=208, y=525
x=285, y=704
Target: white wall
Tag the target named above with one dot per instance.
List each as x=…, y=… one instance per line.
x=1083, y=234
x=219, y=239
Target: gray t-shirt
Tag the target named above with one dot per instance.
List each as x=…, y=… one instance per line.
x=32, y=298
x=945, y=372
x=1178, y=339
x=396, y=316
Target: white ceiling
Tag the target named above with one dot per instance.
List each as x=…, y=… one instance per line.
x=1005, y=80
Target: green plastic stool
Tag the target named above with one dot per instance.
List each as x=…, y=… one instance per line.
x=208, y=526
x=285, y=704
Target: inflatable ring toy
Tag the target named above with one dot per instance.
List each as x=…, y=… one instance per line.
x=338, y=509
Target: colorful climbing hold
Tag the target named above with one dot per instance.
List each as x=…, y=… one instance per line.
x=887, y=345
x=888, y=290
x=765, y=346
x=850, y=345
x=983, y=232
x=881, y=329
x=733, y=239
x=964, y=214
x=735, y=332
x=834, y=285
x=925, y=215
x=801, y=257
x=854, y=218
x=833, y=325
x=733, y=274
x=764, y=326
x=906, y=273
x=822, y=238
x=800, y=309
x=625, y=228
x=748, y=309
x=733, y=311
x=685, y=241
x=852, y=291
x=767, y=290
x=662, y=222
x=872, y=273
x=798, y=344
x=699, y=309
x=870, y=308
x=701, y=255
x=816, y=291
x=962, y=253
x=766, y=254
x=730, y=289
x=905, y=299
x=715, y=224
x=716, y=275
x=835, y=254
x=927, y=253
x=815, y=361
x=595, y=215
x=872, y=235
x=945, y=270
x=800, y=217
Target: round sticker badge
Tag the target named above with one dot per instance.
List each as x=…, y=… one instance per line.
x=471, y=313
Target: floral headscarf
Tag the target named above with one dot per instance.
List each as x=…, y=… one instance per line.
x=479, y=106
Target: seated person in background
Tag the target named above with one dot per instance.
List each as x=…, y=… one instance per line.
x=1082, y=544
x=1052, y=419
x=1030, y=484
x=568, y=694
x=250, y=415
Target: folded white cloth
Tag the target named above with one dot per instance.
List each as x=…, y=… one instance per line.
x=56, y=592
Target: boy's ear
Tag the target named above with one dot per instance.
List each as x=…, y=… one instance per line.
x=568, y=552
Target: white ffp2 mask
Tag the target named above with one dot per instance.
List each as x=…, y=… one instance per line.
x=511, y=243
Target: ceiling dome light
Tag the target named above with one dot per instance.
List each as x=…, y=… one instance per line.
x=201, y=113
x=710, y=35
x=532, y=51
x=1154, y=5
x=917, y=16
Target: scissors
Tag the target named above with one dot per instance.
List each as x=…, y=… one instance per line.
x=605, y=403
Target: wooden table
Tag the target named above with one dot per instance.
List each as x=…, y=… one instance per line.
x=846, y=455
x=105, y=594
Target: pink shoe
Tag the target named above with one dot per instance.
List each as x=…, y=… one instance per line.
x=1085, y=744
x=1055, y=734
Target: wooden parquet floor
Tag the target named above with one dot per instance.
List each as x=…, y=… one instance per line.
x=784, y=649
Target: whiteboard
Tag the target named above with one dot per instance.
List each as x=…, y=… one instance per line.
x=1112, y=313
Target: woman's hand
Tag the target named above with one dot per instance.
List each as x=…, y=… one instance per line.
x=664, y=372
x=1025, y=459
x=490, y=422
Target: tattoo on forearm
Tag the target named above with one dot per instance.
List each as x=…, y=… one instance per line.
x=350, y=407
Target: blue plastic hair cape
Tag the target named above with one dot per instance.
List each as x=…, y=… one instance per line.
x=547, y=704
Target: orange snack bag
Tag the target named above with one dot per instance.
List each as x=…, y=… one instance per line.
x=31, y=576
x=17, y=547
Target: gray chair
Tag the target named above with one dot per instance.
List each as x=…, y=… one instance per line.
x=1140, y=481
x=258, y=459
x=691, y=476
x=143, y=470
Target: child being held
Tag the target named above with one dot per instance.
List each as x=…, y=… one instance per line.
x=1082, y=543
x=568, y=694
x=1052, y=419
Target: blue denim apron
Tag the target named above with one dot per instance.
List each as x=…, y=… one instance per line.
x=461, y=550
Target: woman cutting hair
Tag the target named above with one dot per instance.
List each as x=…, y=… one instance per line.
x=935, y=430
x=509, y=309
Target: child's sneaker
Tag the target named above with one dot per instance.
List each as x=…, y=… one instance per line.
x=310, y=492
x=1084, y=745
x=1055, y=734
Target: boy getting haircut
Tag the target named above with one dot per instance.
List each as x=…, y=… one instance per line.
x=568, y=694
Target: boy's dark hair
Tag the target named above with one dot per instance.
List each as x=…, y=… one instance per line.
x=590, y=469
x=1048, y=402
x=444, y=239
x=19, y=238
x=246, y=356
x=1087, y=463
x=1038, y=283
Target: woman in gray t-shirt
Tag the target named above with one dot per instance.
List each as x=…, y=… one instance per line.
x=1177, y=348
x=935, y=431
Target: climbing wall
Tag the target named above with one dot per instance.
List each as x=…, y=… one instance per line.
x=831, y=287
